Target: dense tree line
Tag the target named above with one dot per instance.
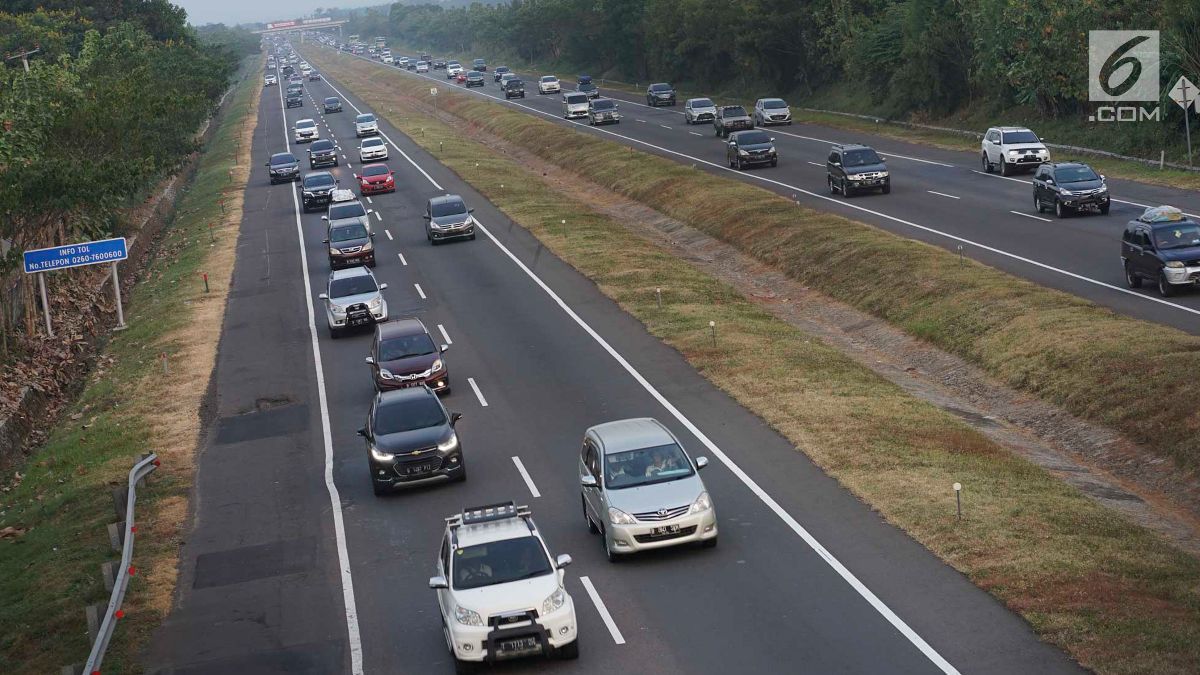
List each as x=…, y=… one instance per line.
x=925, y=56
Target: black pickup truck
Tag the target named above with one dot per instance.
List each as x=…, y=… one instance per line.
x=731, y=118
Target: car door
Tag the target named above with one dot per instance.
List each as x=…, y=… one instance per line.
x=1041, y=185
x=1148, y=263
x=375, y=357
x=443, y=570
x=760, y=116
x=590, y=466
x=833, y=166
x=991, y=145
x=731, y=149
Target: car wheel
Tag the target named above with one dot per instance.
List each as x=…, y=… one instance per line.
x=1104, y=210
x=592, y=529
x=987, y=166
x=379, y=490
x=1004, y=170
x=832, y=188
x=334, y=333
x=1165, y=289
x=847, y=191
x=887, y=189
x=738, y=164
x=1037, y=204
x=569, y=651
x=709, y=543
x=775, y=162
x=462, y=475
x=1060, y=211
x=472, y=237
x=609, y=553
x=1132, y=280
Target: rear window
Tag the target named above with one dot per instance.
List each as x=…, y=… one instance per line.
x=351, y=210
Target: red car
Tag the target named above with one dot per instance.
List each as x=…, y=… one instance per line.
x=461, y=77
x=376, y=178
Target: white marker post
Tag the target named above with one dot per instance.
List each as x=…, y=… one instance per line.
x=117, y=296
x=1185, y=93
x=45, y=303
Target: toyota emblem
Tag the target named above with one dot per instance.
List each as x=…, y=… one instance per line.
x=662, y=513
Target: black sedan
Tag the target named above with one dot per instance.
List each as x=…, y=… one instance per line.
x=333, y=104
x=283, y=166
x=322, y=153
x=750, y=148
x=410, y=439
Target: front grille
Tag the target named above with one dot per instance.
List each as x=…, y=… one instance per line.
x=662, y=514
x=870, y=175
x=510, y=618
x=351, y=249
x=650, y=538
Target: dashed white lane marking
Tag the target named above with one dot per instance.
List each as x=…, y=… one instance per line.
x=402, y=260
x=478, y=394
x=420, y=291
x=942, y=194
x=379, y=216
x=445, y=335
x=664, y=126
x=389, y=235
x=369, y=201
x=525, y=474
x=603, y=610
x=694, y=133
x=1030, y=215
x=816, y=164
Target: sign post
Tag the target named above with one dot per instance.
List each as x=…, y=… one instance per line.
x=105, y=251
x=1185, y=93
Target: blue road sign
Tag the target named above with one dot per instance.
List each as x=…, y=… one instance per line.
x=75, y=255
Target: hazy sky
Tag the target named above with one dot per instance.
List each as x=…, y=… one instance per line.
x=244, y=11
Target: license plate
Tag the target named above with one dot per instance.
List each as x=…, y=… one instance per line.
x=418, y=469
x=358, y=320
x=520, y=646
x=665, y=529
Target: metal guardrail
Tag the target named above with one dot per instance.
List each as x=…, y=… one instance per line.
x=143, y=468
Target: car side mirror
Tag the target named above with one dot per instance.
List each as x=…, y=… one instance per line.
x=443, y=348
x=1049, y=181
x=470, y=210
x=732, y=144
x=384, y=284
x=354, y=174
x=324, y=217
x=370, y=360
x=773, y=140
x=372, y=235
x=701, y=462
x=562, y=560
x=836, y=163
x=370, y=210
x=426, y=216
x=455, y=417
x=323, y=296
x=362, y=431
x=438, y=582
x=324, y=241
x=588, y=481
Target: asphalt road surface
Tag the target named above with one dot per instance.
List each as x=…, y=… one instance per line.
x=295, y=566
x=942, y=197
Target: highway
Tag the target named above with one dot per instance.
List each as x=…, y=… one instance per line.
x=938, y=196
x=295, y=566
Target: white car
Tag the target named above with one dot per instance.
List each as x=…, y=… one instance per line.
x=270, y=79
x=422, y=66
x=1010, y=148
x=549, y=85
x=306, y=131
x=350, y=287
x=575, y=104
x=387, y=58
x=372, y=149
x=768, y=111
x=499, y=589
x=365, y=125
x=452, y=69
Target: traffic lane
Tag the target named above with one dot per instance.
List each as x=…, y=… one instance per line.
x=1099, y=283
x=1008, y=646
x=492, y=313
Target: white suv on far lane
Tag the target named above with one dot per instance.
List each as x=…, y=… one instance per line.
x=1011, y=147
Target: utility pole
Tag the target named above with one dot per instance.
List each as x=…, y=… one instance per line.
x=24, y=56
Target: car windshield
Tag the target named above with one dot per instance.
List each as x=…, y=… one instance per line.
x=351, y=210
x=502, y=69
x=453, y=63
x=603, y=104
x=774, y=103
x=404, y=346
x=660, y=87
x=324, y=144
x=347, y=232
x=448, y=209
x=1075, y=174
x=735, y=111
x=364, y=118
x=371, y=142
x=408, y=415
x=1020, y=137
x=702, y=103
x=331, y=101
x=499, y=562
x=862, y=157
x=344, y=288
x=586, y=86
x=1180, y=236
x=577, y=98
x=375, y=170
x=645, y=466
x=305, y=124
x=549, y=78
x=514, y=82
x=753, y=138
x=283, y=158
x=318, y=180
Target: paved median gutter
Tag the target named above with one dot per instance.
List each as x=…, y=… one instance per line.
x=61, y=500
x=1114, y=595
x=1135, y=376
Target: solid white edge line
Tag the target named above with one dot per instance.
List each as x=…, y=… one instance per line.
x=420, y=292
x=478, y=394
x=942, y=194
x=335, y=500
x=525, y=474
x=445, y=335
x=1030, y=215
x=602, y=610
x=389, y=234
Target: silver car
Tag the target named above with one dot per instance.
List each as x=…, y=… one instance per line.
x=699, y=110
x=640, y=489
x=353, y=299
x=575, y=104
x=768, y=111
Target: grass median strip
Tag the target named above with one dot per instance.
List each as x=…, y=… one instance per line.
x=145, y=395
x=1115, y=596
x=1135, y=376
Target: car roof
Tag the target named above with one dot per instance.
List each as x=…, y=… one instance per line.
x=851, y=146
x=1063, y=165
x=773, y=98
x=350, y=273
x=699, y=98
x=306, y=119
x=396, y=327
x=1012, y=128
x=548, y=77
x=362, y=115
x=321, y=143
x=631, y=434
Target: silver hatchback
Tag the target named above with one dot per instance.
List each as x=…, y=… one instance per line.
x=641, y=490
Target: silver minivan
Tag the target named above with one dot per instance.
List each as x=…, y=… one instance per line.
x=641, y=490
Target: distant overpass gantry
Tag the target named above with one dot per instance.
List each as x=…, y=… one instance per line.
x=295, y=25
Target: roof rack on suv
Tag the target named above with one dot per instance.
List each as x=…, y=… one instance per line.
x=474, y=515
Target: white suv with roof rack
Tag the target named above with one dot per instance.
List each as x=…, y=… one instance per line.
x=1012, y=147
x=500, y=591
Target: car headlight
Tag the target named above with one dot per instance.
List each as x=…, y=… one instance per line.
x=379, y=456
x=883, y=174
x=437, y=366
x=335, y=251
x=619, y=517
x=1065, y=192
x=702, y=504
x=743, y=153
x=308, y=194
x=854, y=176
x=367, y=247
x=1175, y=264
x=467, y=617
x=448, y=444
x=386, y=374
x=1012, y=153
x=335, y=308
x=376, y=302
x=554, y=601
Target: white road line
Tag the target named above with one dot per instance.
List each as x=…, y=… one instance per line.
x=402, y=260
x=345, y=157
x=379, y=216
x=369, y=201
x=445, y=335
x=942, y=194
x=694, y=133
x=1030, y=215
x=420, y=291
x=664, y=126
x=335, y=500
x=642, y=121
x=603, y=610
x=525, y=474
x=478, y=394
x=816, y=164
x=389, y=235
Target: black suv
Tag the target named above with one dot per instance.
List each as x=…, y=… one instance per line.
x=513, y=88
x=853, y=168
x=317, y=189
x=660, y=93
x=748, y=148
x=480, y=65
x=283, y=166
x=499, y=72
x=322, y=153
x=1162, y=246
x=333, y=104
x=1066, y=187
x=730, y=118
x=440, y=64
x=295, y=99
x=410, y=438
